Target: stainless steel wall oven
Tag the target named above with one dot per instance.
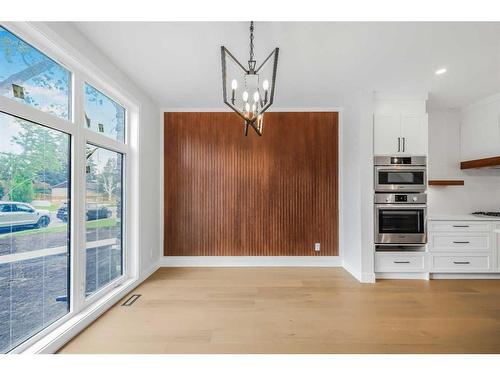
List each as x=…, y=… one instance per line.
x=400, y=173
x=401, y=218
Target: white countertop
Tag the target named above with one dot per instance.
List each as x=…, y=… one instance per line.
x=462, y=217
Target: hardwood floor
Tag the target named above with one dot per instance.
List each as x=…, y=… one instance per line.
x=297, y=310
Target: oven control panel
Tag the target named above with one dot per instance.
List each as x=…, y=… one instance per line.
x=400, y=198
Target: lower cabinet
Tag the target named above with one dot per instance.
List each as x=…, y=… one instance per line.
x=462, y=247
x=400, y=262
x=454, y=247
x=460, y=263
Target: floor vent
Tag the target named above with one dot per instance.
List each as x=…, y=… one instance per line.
x=131, y=300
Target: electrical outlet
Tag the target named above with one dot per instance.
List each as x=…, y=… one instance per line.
x=317, y=246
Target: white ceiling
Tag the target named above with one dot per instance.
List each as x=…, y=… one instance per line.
x=178, y=64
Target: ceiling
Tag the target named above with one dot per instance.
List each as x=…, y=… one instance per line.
x=321, y=64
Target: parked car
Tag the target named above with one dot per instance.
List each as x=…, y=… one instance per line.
x=62, y=212
x=19, y=214
x=94, y=212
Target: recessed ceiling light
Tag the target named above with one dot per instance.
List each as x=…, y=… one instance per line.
x=440, y=71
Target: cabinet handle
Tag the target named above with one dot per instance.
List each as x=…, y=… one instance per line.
x=399, y=144
x=460, y=226
x=461, y=262
x=404, y=144
x=401, y=262
x=461, y=241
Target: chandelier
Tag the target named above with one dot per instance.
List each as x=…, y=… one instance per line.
x=249, y=91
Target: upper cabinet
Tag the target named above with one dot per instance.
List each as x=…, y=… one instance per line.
x=400, y=134
x=387, y=134
x=414, y=132
x=480, y=130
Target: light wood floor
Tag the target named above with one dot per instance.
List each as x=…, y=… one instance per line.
x=297, y=310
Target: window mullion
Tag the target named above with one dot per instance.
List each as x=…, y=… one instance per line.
x=105, y=142
x=32, y=114
x=78, y=201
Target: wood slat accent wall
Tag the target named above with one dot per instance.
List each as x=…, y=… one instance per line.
x=227, y=194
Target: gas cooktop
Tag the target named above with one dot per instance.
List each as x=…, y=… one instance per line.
x=482, y=213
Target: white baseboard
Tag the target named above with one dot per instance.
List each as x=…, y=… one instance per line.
x=363, y=277
x=152, y=269
x=249, y=261
x=466, y=276
x=352, y=270
x=368, y=278
x=61, y=335
x=402, y=275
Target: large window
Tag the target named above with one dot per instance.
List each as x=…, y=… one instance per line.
x=104, y=256
x=62, y=244
x=28, y=76
x=34, y=251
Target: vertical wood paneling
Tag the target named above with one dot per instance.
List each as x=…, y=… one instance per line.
x=226, y=194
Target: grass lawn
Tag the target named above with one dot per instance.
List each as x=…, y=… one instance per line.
x=94, y=224
x=102, y=223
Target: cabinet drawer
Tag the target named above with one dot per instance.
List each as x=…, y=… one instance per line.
x=400, y=262
x=460, y=263
x=459, y=242
x=458, y=226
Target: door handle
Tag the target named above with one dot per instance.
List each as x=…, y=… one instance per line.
x=399, y=144
x=401, y=262
x=461, y=241
x=461, y=262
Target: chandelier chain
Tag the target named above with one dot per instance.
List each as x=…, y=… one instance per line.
x=251, y=40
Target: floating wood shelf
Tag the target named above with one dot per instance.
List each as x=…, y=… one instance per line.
x=446, y=182
x=481, y=163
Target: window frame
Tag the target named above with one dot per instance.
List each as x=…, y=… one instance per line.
x=83, y=70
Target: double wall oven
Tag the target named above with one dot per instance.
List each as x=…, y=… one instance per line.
x=400, y=200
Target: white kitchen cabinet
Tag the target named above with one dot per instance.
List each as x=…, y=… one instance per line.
x=400, y=262
x=400, y=134
x=460, y=263
x=463, y=246
x=387, y=134
x=414, y=134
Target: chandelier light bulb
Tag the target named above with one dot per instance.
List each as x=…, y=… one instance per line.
x=253, y=107
x=256, y=96
x=265, y=85
x=245, y=96
x=234, y=84
x=247, y=107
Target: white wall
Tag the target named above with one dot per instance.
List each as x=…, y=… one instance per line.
x=350, y=203
x=357, y=186
x=150, y=205
x=481, y=191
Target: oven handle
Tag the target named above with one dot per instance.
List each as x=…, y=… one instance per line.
x=398, y=168
x=402, y=206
